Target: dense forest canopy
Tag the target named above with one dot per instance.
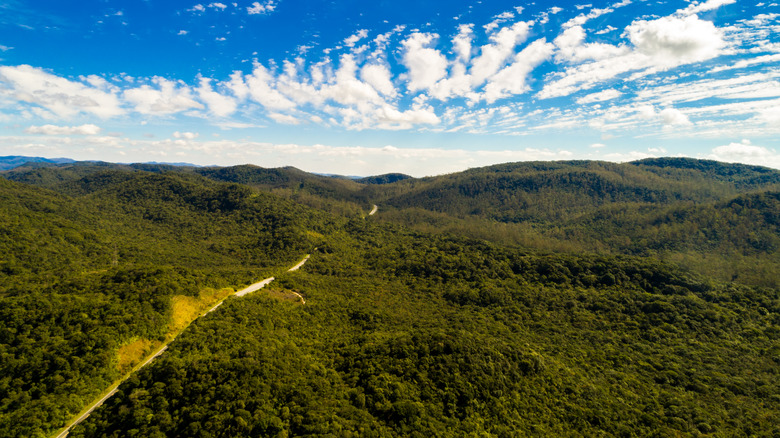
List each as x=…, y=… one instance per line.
x=544, y=299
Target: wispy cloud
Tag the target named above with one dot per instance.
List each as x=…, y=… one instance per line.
x=88, y=129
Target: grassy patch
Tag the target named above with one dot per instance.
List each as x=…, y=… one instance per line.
x=186, y=309
x=132, y=353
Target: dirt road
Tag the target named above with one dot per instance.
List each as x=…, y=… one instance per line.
x=247, y=290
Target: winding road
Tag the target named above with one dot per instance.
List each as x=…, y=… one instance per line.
x=374, y=210
x=247, y=290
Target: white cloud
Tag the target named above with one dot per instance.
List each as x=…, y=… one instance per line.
x=186, y=135
x=361, y=34
x=426, y=65
x=64, y=98
x=672, y=41
x=99, y=82
x=458, y=83
x=347, y=89
x=497, y=20
x=572, y=49
x=586, y=76
x=260, y=87
x=237, y=125
x=659, y=45
x=393, y=119
x=601, y=96
x=598, y=145
x=284, y=118
x=461, y=43
x=747, y=153
x=265, y=7
x=582, y=18
x=218, y=104
x=379, y=77
x=494, y=55
x=622, y=157
x=606, y=30
x=87, y=129
x=220, y=6
x=758, y=85
x=198, y=8
x=709, y=5
x=182, y=32
x=770, y=115
x=745, y=63
x=168, y=98
x=762, y=19
x=512, y=79
x=673, y=116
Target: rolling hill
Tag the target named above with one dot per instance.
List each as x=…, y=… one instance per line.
x=543, y=299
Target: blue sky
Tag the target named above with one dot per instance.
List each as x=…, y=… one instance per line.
x=420, y=87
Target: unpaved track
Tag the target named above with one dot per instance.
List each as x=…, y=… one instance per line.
x=257, y=286
x=374, y=210
x=113, y=391
x=301, y=263
x=247, y=290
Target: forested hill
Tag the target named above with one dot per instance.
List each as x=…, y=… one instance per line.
x=677, y=209
x=82, y=277
x=512, y=192
x=550, y=191
x=715, y=218
x=531, y=299
x=337, y=195
x=741, y=176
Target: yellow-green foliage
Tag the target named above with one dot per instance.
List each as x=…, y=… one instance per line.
x=185, y=309
x=131, y=353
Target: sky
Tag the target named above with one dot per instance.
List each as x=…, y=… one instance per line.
x=364, y=88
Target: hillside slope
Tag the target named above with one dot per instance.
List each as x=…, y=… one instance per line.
x=552, y=191
x=412, y=335
x=82, y=277
x=712, y=217
x=676, y=209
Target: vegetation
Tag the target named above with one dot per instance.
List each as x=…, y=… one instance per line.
x=408, y=335
x=719, y=220
x=83, y=276
x=14, y=161
x=383, y=179
x=541, y=299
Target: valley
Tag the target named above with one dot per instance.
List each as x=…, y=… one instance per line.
x=524, y=299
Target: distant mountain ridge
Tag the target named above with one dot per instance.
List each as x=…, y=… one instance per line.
x=387, y=178
x=13, y=161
